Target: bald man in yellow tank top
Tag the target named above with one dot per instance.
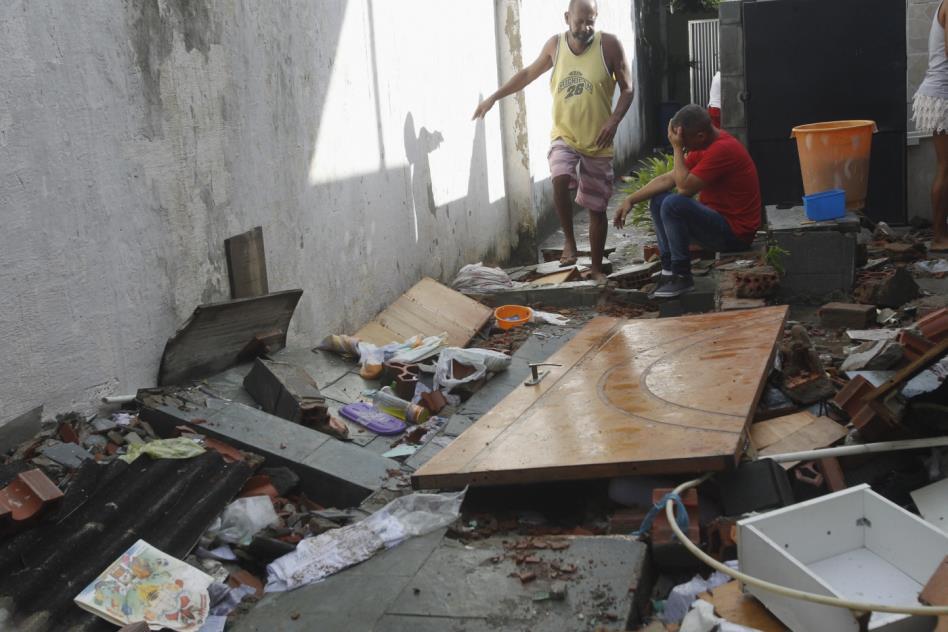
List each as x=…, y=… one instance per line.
x=587, y=65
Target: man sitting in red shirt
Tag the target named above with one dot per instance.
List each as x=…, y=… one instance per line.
x=727, y=213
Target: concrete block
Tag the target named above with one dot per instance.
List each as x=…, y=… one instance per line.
x=699, y=300
x=331, y=472
x=629, y=297
x=572, y=294
x=22, y=427
x=847, y=316
x=68, y=455
x=731, y=12
x=887, y=289
x=287, y=391
x=818, y=263
x=731, y=50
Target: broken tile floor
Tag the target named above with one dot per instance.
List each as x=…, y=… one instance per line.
x=495, y=569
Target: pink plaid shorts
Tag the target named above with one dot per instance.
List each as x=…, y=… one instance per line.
x=591, y=175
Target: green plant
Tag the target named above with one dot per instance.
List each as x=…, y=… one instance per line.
x=774, y=258
x=648, y=169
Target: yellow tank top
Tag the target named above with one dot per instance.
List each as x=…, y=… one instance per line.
x=582, y=88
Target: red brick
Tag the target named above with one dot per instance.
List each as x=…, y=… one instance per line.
x=914, y=345
x=849, y=399
x=662, y=533
x=29, y=494
x=935, y=325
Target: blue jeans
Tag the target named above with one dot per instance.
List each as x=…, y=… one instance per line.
x=678, y=220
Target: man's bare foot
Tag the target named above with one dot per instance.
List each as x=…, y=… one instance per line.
x=597, y=275
x=569, y=256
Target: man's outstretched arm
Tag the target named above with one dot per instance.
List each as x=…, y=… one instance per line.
x=615, y=58
x=520, y=80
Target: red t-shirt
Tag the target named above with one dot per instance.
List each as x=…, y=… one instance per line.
x=731, y=185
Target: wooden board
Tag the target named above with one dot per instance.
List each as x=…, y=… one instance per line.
x=430, y=309
x=214, y=336
x=733, y=605
x=568, y=274
x=795, y=433
x=669, y=395
x=247, y=264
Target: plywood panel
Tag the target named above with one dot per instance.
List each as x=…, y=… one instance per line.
x=429, y=308
x=795, y=433
x=632, y=397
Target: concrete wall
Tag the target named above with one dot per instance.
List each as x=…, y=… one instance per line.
x=136, y=136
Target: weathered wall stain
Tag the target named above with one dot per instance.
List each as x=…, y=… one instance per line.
x=151, y=39
x=195, y=24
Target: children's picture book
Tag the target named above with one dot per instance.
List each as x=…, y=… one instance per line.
x=145, y=584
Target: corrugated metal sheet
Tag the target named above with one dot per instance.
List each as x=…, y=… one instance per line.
x=703, y=55
x=168, y=503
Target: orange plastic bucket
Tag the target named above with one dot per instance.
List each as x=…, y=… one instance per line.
x=835, y=155
x=510, y=316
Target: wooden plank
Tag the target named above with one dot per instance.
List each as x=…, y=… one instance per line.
x=557, y=277
x=214, y=336
x=430, y=309
x=670, y=395
x=247, y=264
x=795, y=433
x=935, y=593
x=732, y=604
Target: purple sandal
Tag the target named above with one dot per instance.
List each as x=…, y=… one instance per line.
x=372, y=418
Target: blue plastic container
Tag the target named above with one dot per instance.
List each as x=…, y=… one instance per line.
x=826, y=205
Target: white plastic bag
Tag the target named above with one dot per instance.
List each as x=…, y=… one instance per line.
x=319, y=557
x=483, y=360
x=548, y=318
x=683, y=595
x=475, y=277
x=244, y=518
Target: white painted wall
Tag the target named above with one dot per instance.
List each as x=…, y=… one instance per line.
x=136, y=136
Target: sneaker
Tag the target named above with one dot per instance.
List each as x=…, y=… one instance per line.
x=676, y=286
x=661, y=276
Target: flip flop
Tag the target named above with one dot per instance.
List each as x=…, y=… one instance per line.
x=372, y=418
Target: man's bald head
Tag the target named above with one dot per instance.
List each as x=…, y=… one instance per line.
x=588, y=4
x=581, y=20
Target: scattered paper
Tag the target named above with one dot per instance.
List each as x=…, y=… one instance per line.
x=872, y=334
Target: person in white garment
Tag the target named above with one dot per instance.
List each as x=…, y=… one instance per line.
x=714, y=103
x=930, y=111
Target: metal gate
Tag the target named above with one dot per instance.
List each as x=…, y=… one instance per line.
x=702, y=57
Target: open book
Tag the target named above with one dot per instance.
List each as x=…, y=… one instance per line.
x=147, y=585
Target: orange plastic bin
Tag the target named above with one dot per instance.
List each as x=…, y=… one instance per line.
x=835, y=155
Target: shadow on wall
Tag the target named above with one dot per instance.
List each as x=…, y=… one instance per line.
x=417, y=149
